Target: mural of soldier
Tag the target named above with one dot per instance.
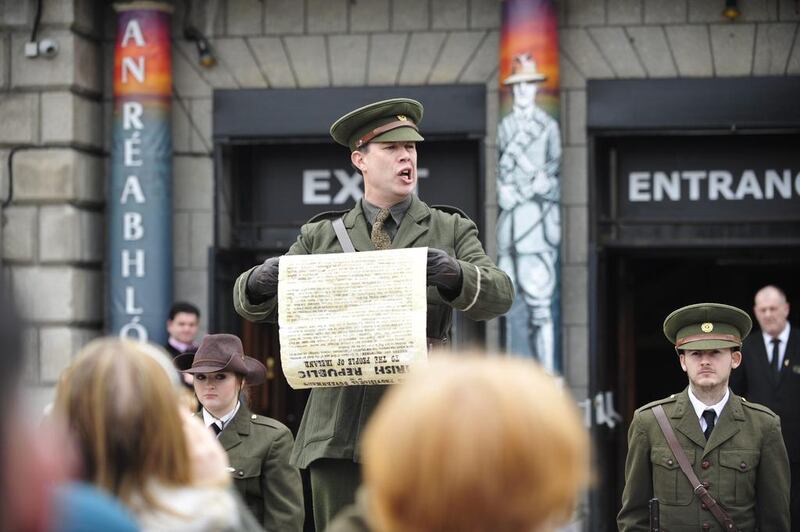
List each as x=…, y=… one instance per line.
x=529, y=223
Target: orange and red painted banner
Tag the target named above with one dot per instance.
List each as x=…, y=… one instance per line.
x=529, y=178
x=140, y=185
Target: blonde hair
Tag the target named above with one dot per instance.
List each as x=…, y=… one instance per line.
x=122, y=409
x=475, y=444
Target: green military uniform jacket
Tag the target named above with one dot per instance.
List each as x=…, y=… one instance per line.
x=258, y=449
x=334, y=417
x=743, y=465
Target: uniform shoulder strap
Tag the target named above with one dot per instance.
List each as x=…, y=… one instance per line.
x=342, y=236
x=719, y=513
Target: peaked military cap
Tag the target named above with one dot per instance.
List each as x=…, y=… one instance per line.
x=394, y=120
x=707, y=326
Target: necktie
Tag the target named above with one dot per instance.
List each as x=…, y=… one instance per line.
x=216, y=428
x=776, y=352
x=380, y=238
x=709, y=416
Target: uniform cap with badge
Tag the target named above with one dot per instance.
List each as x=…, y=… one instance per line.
x=394, y=120
x=707, y=326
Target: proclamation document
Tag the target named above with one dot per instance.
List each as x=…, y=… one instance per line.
x=352, y=318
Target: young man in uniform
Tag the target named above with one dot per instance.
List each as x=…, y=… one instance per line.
x=734, y=447
x=381, y=138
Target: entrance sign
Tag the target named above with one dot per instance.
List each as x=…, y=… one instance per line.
x=352, y=318
x=528, y=178
x=140, y=186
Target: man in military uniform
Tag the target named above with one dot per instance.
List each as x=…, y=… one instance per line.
x=734, y=447
x=382, y=141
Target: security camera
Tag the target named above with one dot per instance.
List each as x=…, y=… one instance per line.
x=48, y=47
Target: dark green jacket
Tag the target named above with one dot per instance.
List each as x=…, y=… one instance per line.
x=259, y=448
x=744, y=464
x=334, y=417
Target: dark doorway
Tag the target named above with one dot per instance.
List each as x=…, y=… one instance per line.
x=642, y=288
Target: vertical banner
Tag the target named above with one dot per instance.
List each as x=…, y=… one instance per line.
x=528, y=178
x=140, y=188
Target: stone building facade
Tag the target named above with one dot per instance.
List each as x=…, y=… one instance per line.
x=55, y=119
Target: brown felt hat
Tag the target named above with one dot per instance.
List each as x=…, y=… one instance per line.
x=222, y=352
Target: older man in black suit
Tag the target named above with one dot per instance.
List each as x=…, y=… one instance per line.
x=770, y=375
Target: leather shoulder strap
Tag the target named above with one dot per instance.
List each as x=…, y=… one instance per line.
x=719, y=513
x=342, y=236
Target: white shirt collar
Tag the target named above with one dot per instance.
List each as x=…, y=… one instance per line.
x=783, y=336
x=209, y=419
x=700, y=407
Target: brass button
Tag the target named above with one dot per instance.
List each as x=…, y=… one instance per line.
x=742, y=465
x=706, y=526
x=241, y=473
x=706, y=464
x=670, y=462
x=253, y=416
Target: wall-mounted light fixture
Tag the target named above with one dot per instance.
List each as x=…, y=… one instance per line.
x=204, y=54
x=731, y=11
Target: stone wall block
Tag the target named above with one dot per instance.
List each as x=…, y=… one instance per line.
x=282, y=17
x=410, y=15
x=69, y=234
x=576, y=356
x=185, y=79
x=4, y=61
x=788, y=10
x=574, y=295
x=271, y=57
x=624, y=11
x=203, y=118
x=576, y=117
x=348, y=55
x=773, y=44
x=192, y=286
x=180, y=239
x=732, y=49
x=235, y=57
x=582, y=13
x=793, y=67
x=219, y=77
x=751, y=11
x=69, y=118
x=581, y=50
x=423, y=49
x=181, y=128
x=202, y=238
x=326, y=16
x=385, y=54
x=370, y=16
x=484, y=14
x=576, y=236
x=485, y=61
x=19, y=233
x=616, y=48
x=244, y=17
x=58, y=347
x=16, y=13
x=449, y=14
x=308, y=58
x=58, y=175
x=60, y=294
x=574, y=176
x=650, y=43
x=661, y=12
x=458, y=49
x=690, y=47
x=570, y=77
x=193, y=176
x=19, y=115
x=30, y=355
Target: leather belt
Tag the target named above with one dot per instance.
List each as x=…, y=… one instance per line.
x=383, y=129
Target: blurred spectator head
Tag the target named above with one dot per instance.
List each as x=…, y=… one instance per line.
x=119, y=401
x=183, y=322
x=475, y=444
